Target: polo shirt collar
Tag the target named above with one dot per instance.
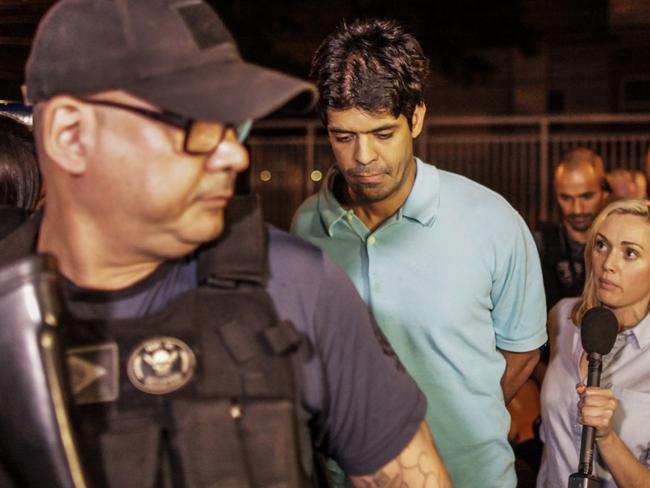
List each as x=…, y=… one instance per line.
x=421, y=205
x=329, y=208
x=423, y=202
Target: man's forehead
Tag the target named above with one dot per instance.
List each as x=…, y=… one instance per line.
x=359, y=120
x=577, y=187
x=576, y=175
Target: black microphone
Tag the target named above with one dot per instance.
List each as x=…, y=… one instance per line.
x=598, y=332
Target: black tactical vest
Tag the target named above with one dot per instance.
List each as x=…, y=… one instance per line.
x=205, y=393
x=563, y=272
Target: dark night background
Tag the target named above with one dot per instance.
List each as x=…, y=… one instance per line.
x=284, y=34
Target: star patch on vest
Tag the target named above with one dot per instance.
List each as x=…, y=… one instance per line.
x=161, y=365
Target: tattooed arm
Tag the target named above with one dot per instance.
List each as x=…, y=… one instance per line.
x=418, y=465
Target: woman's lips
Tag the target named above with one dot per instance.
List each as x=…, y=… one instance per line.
x=606, y=284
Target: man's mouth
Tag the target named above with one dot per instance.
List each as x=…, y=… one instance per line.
x=368, y=178
x=216, y=201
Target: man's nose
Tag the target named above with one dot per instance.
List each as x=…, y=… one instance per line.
x=230, y=155
x=578, y=206
x=364, y=152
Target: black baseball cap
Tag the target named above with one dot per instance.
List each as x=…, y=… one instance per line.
x=177, y=55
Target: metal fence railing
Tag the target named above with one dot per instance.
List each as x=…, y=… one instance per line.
x=513, y=155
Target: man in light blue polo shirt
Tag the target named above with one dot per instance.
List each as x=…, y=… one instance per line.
x=447, y=267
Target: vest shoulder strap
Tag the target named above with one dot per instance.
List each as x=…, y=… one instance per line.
x=553, y=240
x=240, y=253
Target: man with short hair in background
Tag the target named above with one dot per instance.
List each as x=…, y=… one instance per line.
x=579, y=184
x=448, y=267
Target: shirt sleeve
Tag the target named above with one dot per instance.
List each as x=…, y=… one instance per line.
x=373, y=408
x=519, y=305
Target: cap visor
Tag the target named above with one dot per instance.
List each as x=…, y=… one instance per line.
x=229, y=92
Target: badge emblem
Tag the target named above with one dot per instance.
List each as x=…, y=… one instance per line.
x=161, y=365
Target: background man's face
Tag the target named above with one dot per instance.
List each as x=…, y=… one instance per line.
x=579, y=194
x=374, y=152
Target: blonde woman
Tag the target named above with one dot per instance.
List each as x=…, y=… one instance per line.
x=617, y=259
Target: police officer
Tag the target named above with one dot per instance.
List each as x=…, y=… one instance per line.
x=581, y=192
x=204, y=349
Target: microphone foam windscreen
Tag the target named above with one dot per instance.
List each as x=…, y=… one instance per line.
x=598, y=330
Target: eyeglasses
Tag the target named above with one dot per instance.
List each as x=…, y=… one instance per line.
x=200, y=136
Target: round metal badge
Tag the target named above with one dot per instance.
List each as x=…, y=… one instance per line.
x=161, y=365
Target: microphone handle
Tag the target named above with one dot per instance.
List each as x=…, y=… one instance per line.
x=589, y=432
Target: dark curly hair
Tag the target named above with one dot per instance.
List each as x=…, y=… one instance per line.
x=372, y=65
x=20, y=178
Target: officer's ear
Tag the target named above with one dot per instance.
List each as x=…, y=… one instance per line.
x=65, y=130
x=417, y=120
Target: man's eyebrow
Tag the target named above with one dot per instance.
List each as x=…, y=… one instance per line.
x=580, y=195
x=381, y=128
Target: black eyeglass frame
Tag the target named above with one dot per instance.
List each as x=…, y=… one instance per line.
x=169, y=118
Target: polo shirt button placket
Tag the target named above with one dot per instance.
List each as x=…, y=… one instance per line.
x=372, y=277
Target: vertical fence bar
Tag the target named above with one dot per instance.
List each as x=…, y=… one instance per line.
x=544, y=170
x=310, y=152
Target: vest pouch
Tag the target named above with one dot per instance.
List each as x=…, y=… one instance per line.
x=131, y=456
x=269, y=433
x=209, y=444
x=241, y=446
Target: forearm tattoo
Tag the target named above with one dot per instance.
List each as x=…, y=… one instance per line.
x=403, y=473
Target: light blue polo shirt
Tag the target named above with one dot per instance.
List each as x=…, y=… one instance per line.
x=450, y=277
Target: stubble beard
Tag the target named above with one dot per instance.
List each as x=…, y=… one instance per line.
x=579, y=227
x=370, y=192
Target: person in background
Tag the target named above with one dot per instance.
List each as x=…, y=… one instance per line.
x=617, y=257
x=641, y=184
x=623, y=184
x=448, y=267
x=201, y=350
x=578, y=182
x=20, y=179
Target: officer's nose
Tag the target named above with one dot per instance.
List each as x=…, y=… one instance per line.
x=230, y=155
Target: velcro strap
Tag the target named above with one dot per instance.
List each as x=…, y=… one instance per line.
x=283, y=337
x=239, y=341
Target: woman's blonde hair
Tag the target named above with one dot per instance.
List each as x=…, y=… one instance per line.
x=639, y=207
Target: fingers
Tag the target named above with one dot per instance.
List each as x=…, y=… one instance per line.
x=596, y=408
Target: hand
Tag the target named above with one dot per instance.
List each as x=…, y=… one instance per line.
x=596, y=408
